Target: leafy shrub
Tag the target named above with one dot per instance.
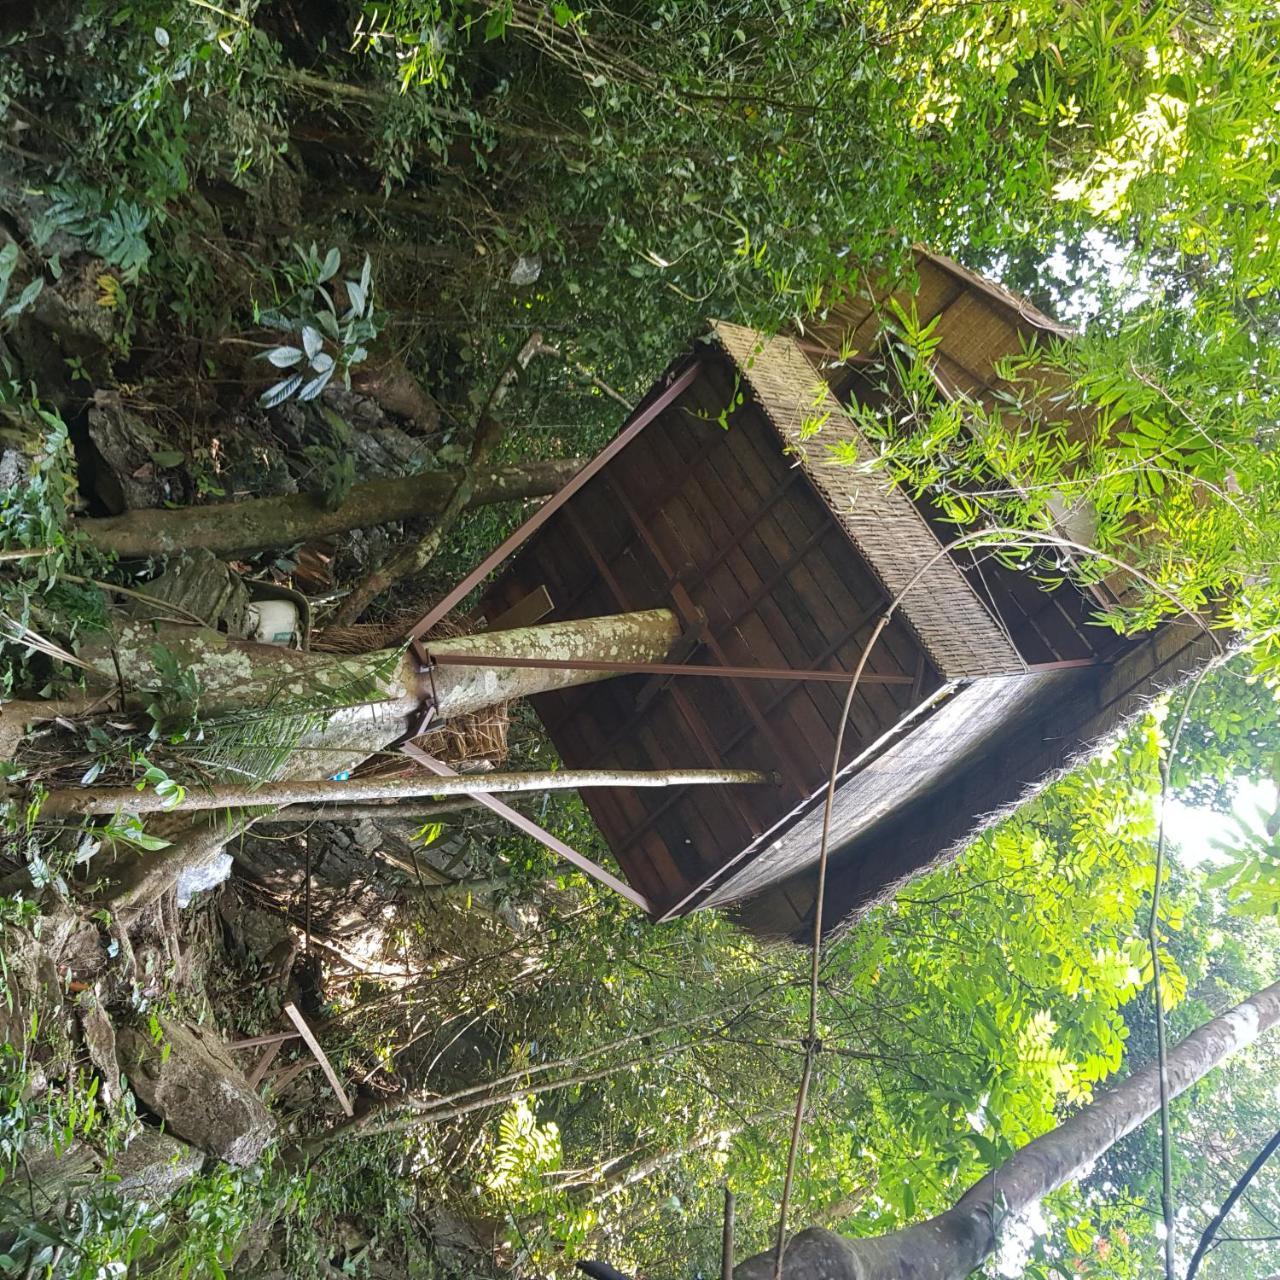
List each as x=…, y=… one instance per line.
x=327, y=342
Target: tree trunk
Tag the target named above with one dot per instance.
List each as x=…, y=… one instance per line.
x=101, y=800
x=239, y=528
x=326, y=712
x=409, y=810
x=280, y=714
x=954, y=1243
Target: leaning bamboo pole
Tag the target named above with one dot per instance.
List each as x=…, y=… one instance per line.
x=84, y=801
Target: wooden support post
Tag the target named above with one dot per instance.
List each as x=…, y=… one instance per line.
x=268, y=1057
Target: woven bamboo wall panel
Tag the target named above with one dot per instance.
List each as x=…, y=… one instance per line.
x=960, y=635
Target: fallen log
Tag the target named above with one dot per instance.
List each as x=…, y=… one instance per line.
x=259, y=524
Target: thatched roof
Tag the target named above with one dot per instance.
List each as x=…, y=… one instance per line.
x=986, y=747
x=942, y=608
x=979, y=747
x=979, y=322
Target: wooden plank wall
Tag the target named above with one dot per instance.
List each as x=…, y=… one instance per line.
x=719, y=525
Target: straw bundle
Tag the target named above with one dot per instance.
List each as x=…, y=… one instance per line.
x=481, y=736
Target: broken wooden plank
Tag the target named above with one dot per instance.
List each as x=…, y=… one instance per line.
x=268, y=1057
x=290, y=1074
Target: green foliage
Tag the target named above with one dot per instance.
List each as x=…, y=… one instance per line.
x=311, y=313
x=1251, y=866
x=1233, y=736
x=40, y=611
x=519, y=1168
x=10, y=311
x=957, y=1023
x=115, y=230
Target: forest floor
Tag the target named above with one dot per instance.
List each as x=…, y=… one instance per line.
x=137, y=1133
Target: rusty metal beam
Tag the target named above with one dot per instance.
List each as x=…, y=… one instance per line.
x=639, y=420
x=671, y=669
x=669, y=493
x=531, y=828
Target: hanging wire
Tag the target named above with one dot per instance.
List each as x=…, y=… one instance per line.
x=1167, y=1205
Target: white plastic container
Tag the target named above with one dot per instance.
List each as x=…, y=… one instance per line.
x=273, y=622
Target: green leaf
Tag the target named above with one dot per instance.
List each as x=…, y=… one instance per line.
x=329, y=269
x=313, y=388
x=8, y=260
x=275, y=395
x=24, y=299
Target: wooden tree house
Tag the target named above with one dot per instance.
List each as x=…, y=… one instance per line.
x=732, y=498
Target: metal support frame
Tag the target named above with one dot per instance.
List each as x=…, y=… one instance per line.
x=529, y=827
x=640, y=419
x=644, y=415
x=663, y=669
x=685, y=607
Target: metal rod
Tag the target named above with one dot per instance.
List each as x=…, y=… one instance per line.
x=639, y=420
x=664, y=669
x=531, y=828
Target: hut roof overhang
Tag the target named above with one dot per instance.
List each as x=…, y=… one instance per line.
x=986, y=747
x=955, y=627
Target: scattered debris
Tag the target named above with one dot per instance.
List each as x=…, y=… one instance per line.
x=326, y=1066
x=203, y=876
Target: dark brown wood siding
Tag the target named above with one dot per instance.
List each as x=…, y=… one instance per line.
x=716, y=523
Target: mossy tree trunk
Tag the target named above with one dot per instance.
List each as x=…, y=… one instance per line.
x=279, y=714
x=259, y=524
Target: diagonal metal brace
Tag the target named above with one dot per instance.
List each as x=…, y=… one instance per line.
x=531, y=828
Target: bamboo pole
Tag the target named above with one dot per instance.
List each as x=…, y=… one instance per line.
x=107, y=800
x=410, y=810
